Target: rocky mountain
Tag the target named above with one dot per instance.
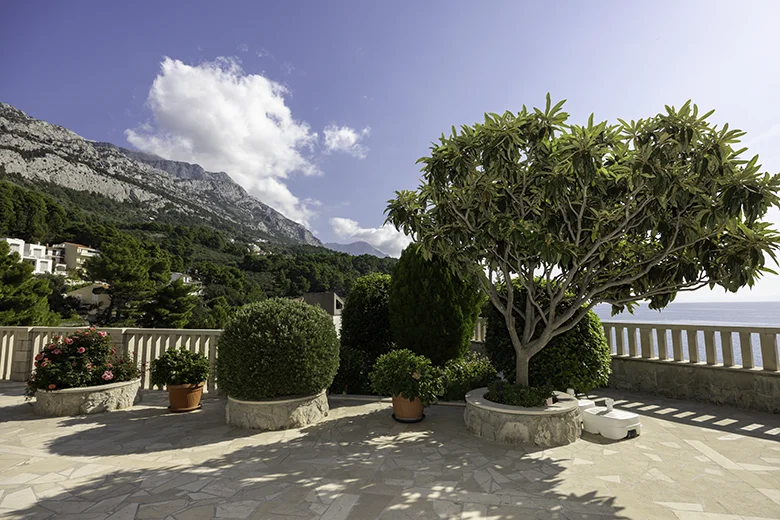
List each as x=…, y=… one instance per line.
x=356, y=249
x=44, y=154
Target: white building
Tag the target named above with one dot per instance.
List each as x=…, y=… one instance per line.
x=72, y=255
x=187, y=279
x=37, y=255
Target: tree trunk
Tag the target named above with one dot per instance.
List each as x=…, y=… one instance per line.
x=522, y=369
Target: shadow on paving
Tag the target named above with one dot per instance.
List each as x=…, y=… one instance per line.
x=356, y=464
x=750, y=423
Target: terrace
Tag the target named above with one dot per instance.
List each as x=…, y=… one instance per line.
x=693, y=461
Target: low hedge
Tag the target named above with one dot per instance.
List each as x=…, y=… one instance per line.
x=460, y=376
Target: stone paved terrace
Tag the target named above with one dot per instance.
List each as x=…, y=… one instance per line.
x=691, y=462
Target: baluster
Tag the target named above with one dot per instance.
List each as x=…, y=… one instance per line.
x=709, y=347
x=769, y=350
x=693, y=345
x=663, y=347
x=677, y=344
x=212, y=355
x=623, y=340
x=746, y=347
x=632, y=346
x=728, y=348
x=646, y=340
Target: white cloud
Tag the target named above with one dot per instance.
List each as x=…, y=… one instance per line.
x=243, y=48
x=224, y=119
x=347, y=140
x=386, y=238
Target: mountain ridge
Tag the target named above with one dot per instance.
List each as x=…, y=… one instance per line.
x=356, y=249
x=42, y=152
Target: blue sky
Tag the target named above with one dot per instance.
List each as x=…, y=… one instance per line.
x=321, y=108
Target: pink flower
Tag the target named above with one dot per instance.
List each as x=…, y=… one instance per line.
x=73, y=364
x=68, y=341
x=107, y=375
x=110, y=365
x=52, y=386
x=81, y=350
x=56, y=351
x=45, y=362
x=89, y=366
x=102, y=334
x=38, y=357
x=51, y=346
x=113, y=350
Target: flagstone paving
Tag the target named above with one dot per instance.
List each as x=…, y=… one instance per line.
x=692, y=462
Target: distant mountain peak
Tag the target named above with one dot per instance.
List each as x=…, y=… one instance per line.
x=356, y=249
x=44, y=154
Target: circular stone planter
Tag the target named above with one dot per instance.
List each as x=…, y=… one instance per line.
x=277, y=414
x=87, y=400
x=547, y=426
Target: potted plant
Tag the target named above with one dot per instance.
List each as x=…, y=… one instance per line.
x=184, y=373
x=410, y=379
x=82, y=374
x=275, y=360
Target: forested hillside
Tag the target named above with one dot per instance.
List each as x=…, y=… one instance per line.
x=137, y=256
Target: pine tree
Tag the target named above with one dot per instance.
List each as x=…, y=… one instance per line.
x=170, y=307
x=23, y=296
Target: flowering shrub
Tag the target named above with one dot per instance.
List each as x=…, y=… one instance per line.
x=86, y=358
x=406, y=374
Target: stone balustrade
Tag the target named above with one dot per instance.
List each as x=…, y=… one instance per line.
x=724, y=363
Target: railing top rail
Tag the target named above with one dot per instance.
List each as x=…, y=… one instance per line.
x=696, y=326
x=202, y=332
x=133, y=330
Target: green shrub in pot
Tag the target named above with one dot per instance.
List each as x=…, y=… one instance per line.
x=179, y=366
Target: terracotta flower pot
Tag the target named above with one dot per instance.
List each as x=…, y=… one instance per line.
x=407, y=411
x=185, y=398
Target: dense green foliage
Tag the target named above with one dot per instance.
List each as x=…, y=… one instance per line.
x=132, y=271
x=277, y=347
x=29, y=215
x=504, y=392
x=462, y=375
x=23, y=296
x=352, y=376
x=365, y=319
x=578, y=358
x=638, y=210
x=219, y=256
x=432, y=311
x=85, y=358
x=406, y=374
x=170, y=306
x=179, y=367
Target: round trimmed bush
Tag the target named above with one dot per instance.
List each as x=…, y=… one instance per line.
x=276, y=348
x=460, y=376
x=365, y=320
x=432, y=311
x=579, y=358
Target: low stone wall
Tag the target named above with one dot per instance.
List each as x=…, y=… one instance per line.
x=87, y=400
x=753, y=389
x=277, y=414
x=549, y=426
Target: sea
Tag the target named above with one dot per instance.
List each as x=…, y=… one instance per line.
x=757, y=314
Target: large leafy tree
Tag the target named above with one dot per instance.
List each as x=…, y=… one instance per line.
x=639, y=210
x=23, y=296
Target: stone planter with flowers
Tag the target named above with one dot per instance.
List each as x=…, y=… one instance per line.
x=80, y=375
